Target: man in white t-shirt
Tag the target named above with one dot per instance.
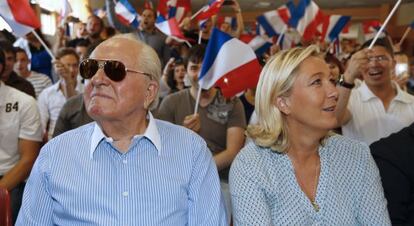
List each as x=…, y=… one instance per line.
x=38, y=80
x=378, y=107
x=20, y=136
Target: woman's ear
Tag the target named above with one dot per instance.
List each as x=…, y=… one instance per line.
x=283, y=105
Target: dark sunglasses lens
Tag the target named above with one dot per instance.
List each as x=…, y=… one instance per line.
x=88, y=68
x=115, y=70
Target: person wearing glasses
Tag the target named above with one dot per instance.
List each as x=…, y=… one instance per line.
x=295, y=171
x=126, y=168
x=378, y=107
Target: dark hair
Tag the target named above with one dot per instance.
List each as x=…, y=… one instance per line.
x=383, y=42
x=330, y=58
x=7, y=47
x=196, y=54
x=99, y=19
x=82, y=43
x=171, y=78
x=66, y=51
x=2, y=60
x=19, y=50
x=91, y=48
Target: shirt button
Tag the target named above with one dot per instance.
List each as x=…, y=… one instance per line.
x=125, y=193
x=124, y=161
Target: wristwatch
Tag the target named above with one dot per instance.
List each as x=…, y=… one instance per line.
x=345, y=84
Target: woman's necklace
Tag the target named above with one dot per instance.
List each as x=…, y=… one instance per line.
x=314, y=204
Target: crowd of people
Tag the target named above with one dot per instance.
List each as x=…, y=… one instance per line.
x=108, y=132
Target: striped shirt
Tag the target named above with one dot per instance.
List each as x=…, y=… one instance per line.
x=39, y=81
x=167, y=177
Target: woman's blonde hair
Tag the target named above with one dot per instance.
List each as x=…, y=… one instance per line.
x=276, y=80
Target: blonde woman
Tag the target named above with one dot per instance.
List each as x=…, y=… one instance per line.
x=295, y=172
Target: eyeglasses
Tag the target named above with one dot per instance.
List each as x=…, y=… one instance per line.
x=381, y=58
x=114, y=70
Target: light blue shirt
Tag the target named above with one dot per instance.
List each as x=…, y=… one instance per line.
x=167, y=177
x=264, y=189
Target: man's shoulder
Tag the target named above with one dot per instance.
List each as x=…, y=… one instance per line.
x=73, y=137
x=49, y=90
x=13, y=94
x=177, y=97
x=177, y=134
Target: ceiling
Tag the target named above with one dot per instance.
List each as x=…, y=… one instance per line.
x=263, y=5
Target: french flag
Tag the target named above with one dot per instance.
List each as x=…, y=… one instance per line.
x=209, y=10
x=19, y=16
x=229, y=64
x=332, y=26
x=275, y=21
x=260, y=44
x=126, y=13
x=305, y=18
x=174, y=8
x=170, y=28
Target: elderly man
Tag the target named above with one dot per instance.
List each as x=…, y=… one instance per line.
x=127, y=168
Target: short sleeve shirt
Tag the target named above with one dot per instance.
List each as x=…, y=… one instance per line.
x=19, y=118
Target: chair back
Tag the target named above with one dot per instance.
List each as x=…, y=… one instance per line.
x=5, y=208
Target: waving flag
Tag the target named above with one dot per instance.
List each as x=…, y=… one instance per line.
x=229, y=64
x=19, y=15
x=275, y=21
x=305, y=18
x=332, y=26
x=209, y=10
x=170, y=28
x=371, y=27
x=174, y=8
x=259, y=44
x=126, y=13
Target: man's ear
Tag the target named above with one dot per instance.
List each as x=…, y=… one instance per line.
x=282, y=103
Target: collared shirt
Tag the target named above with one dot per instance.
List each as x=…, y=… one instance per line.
x=370, y=121
x=265, y=191
x=167, y=177
x=50, y=102
x=19, y=118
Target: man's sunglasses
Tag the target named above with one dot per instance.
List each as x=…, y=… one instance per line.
x=114, y=70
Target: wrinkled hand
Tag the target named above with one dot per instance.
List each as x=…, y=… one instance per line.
x=63, y=72
x=356, y=65
x=192, y=122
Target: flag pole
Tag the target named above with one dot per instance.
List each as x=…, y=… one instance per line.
x=196, y=14
x=198, y=99
x=200, y=33
x=43, y=44
x=281, y=35
x=385, y=24
x=407, y=31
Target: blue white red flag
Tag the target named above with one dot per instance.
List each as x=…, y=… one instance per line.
x=227, y=19
x=209, y=10
x=19, y=16
x=259, y=43
x=126, y=13
x=275, y=21
x=332, y=26
x=170, y=28
x=174, y=8
x=228, y=64
x=305, y=18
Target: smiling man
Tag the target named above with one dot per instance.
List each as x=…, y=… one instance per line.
x=127, y=168
x=378, y=107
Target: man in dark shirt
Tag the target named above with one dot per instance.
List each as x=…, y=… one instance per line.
x=72, y=115
x=394, y=156
x=10, y=77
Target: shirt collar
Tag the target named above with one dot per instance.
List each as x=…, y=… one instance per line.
x=151, y=133
x=401, y=96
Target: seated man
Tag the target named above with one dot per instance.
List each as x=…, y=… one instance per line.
x=38, y=80
x=52, y=99
x=219, y=121
x=127, y=168
x=20, y=136
x=394, y=156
